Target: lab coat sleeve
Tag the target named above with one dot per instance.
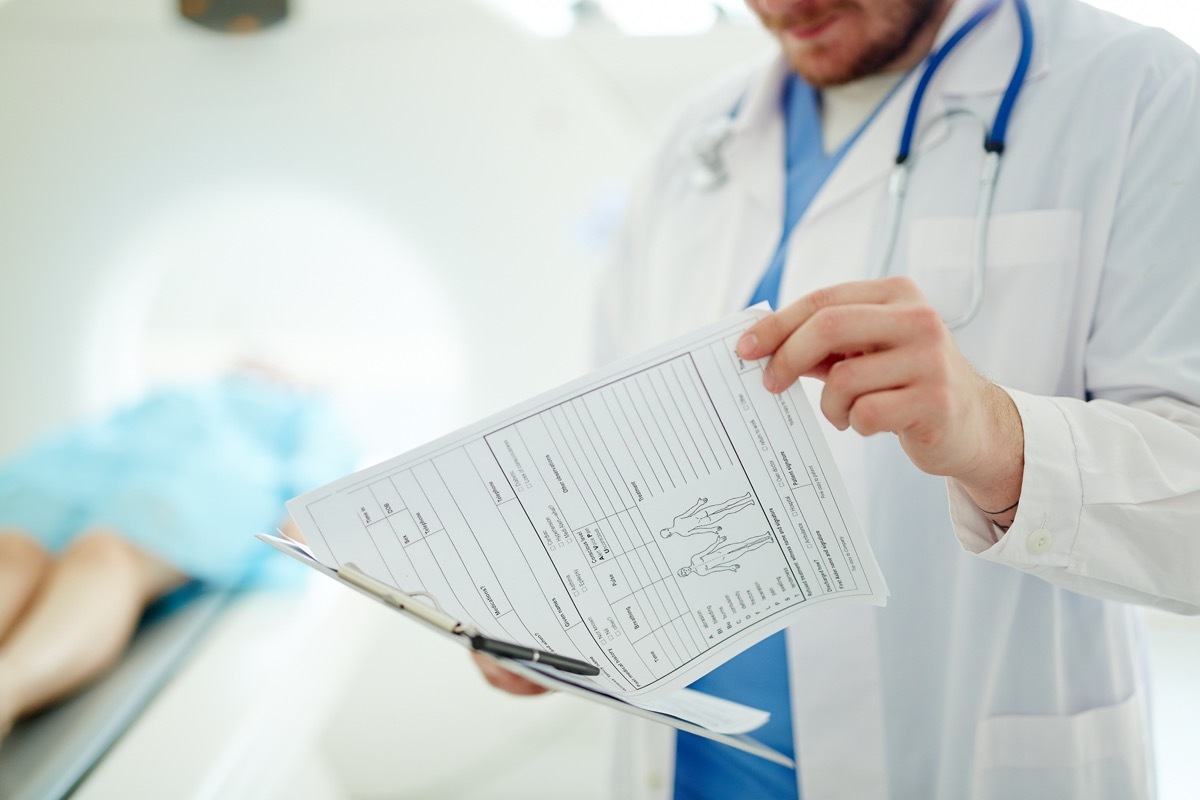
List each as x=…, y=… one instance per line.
x=1110, y=500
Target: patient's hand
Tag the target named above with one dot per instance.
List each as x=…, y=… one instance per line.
x=504, y=680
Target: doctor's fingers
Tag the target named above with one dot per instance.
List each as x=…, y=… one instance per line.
x=839, y=331
x=852, y=378
x=765, y=336
x=504, y=680
x=893, y=410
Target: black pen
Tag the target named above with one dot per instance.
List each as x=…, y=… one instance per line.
x=440, y=619
x=496, y=647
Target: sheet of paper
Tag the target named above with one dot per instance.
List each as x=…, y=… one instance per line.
x=714, y=713
x=655, y=518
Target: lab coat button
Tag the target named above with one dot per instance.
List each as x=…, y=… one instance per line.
x=1039, y=541
x=653, y=781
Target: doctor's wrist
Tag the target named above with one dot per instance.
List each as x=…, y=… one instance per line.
x=1002, y=519
x=994, y=485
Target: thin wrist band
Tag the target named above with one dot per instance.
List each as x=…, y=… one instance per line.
x=1001, y=511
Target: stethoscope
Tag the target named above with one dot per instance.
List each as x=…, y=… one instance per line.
x=711, y=172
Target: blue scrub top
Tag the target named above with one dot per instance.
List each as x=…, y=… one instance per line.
x=759, y=677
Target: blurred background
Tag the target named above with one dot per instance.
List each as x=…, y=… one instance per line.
x=406, y=202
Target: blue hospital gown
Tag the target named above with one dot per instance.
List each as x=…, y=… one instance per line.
x=187, y=474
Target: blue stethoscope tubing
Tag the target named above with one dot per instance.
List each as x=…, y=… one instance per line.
x=712, y=174
x=993, y=146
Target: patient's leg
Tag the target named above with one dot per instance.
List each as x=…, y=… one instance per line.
x=80, y=622
x=24, y=564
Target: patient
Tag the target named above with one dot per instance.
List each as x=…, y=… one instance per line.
x=104, y=518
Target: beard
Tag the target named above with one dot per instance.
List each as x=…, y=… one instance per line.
x=896, y=24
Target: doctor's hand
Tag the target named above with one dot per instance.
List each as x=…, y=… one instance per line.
x=889, y=363
x=504, y=680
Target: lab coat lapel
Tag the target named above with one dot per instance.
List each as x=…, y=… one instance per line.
x=869, y=160
x=753, y=237
x=756, y=183
x=835, y=241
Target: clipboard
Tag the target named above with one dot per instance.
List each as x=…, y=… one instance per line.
x=433, y=618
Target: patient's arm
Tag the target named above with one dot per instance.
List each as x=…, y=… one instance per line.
x=82, y=615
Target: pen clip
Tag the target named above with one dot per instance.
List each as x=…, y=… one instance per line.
x=403, y=600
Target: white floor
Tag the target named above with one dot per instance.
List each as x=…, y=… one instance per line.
x=418, y=722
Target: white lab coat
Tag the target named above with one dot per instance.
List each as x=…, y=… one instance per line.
x=995, y=671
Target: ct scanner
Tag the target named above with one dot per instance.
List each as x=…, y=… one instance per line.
x=403, y=199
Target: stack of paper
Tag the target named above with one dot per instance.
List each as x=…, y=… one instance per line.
x=654, y=519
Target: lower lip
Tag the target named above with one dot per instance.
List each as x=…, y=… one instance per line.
x=812, y=31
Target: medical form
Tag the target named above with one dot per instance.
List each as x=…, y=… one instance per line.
x=654, y=518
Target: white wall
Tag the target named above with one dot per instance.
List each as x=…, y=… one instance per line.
x=477, y=149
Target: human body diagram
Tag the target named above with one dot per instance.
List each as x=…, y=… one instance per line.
x=703, y=518
x=722, y=556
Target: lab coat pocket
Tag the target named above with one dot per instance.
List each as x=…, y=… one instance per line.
x=1029, y=284
x=1098, y=754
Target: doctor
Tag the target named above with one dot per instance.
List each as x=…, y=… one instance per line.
x=1006, y=346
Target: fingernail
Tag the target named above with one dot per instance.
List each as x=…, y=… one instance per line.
x=769, y=380
x=746, y=344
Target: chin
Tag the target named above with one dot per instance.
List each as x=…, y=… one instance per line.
x=824, y=72
x=833, y=59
